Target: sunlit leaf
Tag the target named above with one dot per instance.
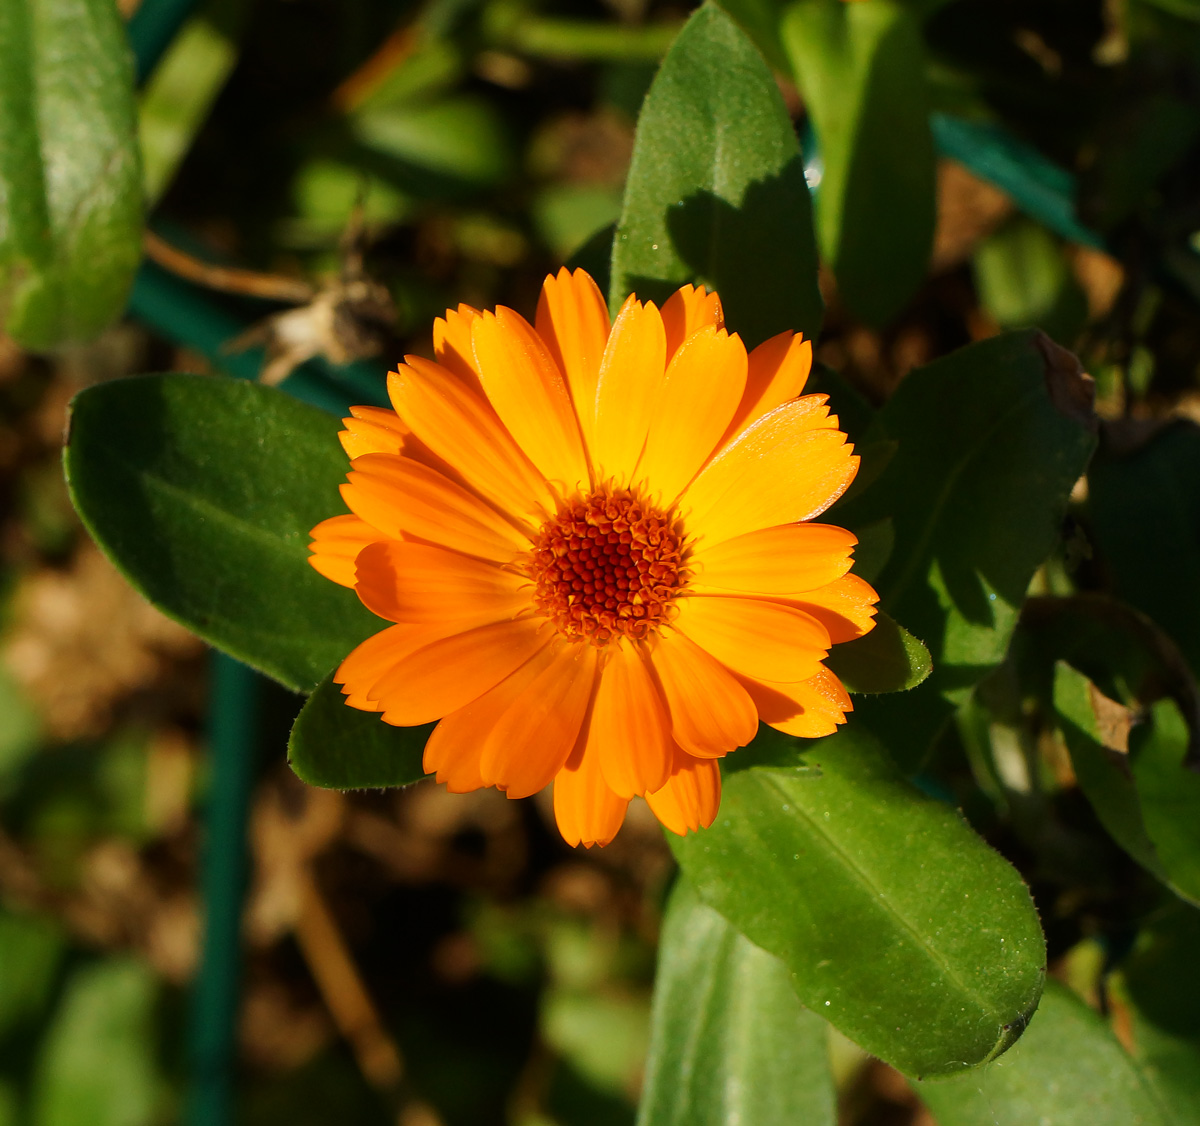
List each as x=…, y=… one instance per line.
x=729, y=1039
x=1068, y=1069
x=70, y=175
x=716, y=191
x=203, y=491
x=898, y=924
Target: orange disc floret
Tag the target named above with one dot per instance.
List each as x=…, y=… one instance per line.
x=596, y=545
x=608, y=565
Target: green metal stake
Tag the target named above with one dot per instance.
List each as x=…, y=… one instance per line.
x=233, y=732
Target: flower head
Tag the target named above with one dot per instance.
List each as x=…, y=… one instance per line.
x=595, y=545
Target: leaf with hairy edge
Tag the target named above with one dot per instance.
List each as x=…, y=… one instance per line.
x=70, y=170
x=991, y=441
x=341, y=748
x=1068, y=1069
x=202, y=491
x=729, y=1039
x=898, y=924
x=888, y=659
x=716, y=191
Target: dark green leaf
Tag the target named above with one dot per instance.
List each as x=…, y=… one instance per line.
x=898, y=924
x=992, y=440
x=716, y=191
x=729, y=1040
x=341, y=748
x=888, y=659
x=874, y=549
x=861, y=71
x=31, y=950
x=1103, y=771
x=96, y=1066
x=203, y=491
x=1145, y=513
x=1170, y=794
x=1160, y=984
x=1068, y=1069
x=70, y=173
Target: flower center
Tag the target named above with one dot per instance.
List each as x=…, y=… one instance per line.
x=609, y=565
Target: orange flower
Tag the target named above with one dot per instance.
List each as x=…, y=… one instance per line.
x=594, y=544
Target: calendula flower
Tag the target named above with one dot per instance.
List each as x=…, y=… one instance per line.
x=595, y=544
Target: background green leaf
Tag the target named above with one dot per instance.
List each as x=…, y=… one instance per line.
x=203, y=491
x=1144, y=508
x=70, y=174
x=861, y=72
x=341, y=748
x=1068, y=1069
x=729, y=1041
x=991, y=441
x=97, y=1064
x=898, y=924
x=716, y=191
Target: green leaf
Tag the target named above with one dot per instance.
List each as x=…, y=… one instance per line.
x=31, y=950
x=861, y=72
x=70, y=175
x=1025, y=281
x=1068, y=1069
x=992, y=440
x=202, y=491
x=341, y=748
x=898, y=924
x=716, y=191
x=1103, y=771
x=1170, y=794
x=729, y=1040
x=1160, y=984
x=96, y=1066
x=888, y=659
x=1145, y=516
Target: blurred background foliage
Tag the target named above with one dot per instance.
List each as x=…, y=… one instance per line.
x=324, y=177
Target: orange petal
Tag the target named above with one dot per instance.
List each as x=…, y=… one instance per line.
x=530, y=743
x=403, y=498
x=688, y=310
x=519, y=734
x=691, y=797
x=778, y=370
x=811, y=709
x=789, y=559
x=420, y=583
x=449, y=673
x=452, y=753
x=378, y=655
x=631, y=374
x=335, y=545
x=846, y=607
x=701, y=389
x=460, y=427
x=630, y=724
x=790, y=465
x=452, y=344
x=711, y=713
x=587, y=811
x=766, y=640
x=528, y=391
x=572, y=319
x=372, y=430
